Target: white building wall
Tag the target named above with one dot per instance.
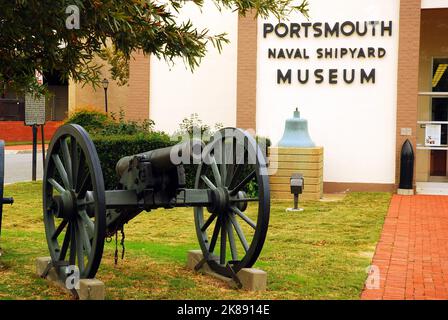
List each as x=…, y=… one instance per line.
x=432, y=4
x=210, y=91
x=356, y=124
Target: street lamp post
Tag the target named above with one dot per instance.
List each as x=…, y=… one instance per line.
x=105, y=83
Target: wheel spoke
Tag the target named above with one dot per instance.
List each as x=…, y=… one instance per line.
x=67, y=161
x=75, y=160
x=240, y=233
x=215, y=236
x=215, y=170
x=59, y=229
x=231, y=164
x=208, y=182
x=88, y=223
x=79, y=247
x=223, y=173
x=222, y=252
x=72, y=260
x=56, y=185
x=85, y=237
x=208, y=222
x=236, y=172
x=223, y=165
x=229, y=175
x=243, y=183
x=239, y=156
x=244, y=217
x=65, y=244
x=80, y=172
x=61, y=170
x=84, y=186
x=233, y=249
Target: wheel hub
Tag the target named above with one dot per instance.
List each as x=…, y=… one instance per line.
x=65, y=205
x=243, y=204
x=220, y=200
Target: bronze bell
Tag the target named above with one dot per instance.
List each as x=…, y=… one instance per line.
x=296, y=133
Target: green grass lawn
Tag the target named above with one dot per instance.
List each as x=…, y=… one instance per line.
x=321, y=253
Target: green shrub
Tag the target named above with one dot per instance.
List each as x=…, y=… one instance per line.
x=193, y=125
x=98, y=123
x=120, y=126
x=90, y=120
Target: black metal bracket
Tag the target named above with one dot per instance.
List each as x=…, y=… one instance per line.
x=229, y=268
x=57, y=265
x=234, y=276
x=200, y=265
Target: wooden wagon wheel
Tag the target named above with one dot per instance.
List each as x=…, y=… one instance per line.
x=233, y=166
x=74, y=201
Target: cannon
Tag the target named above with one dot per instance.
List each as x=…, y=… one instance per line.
x=2, y=184
x=231, y=224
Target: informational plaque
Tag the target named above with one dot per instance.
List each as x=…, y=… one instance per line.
x=433, y=135
x=34, y=110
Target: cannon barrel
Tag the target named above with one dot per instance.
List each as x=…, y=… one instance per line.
x=167, y=158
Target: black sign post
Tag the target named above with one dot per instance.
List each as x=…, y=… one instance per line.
x=43, y=144
x=34, y=127
x=35, y=117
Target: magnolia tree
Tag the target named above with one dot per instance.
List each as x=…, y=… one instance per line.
x=66, y=36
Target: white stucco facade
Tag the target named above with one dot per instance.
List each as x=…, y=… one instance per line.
x=210, y=91
x=355, y=123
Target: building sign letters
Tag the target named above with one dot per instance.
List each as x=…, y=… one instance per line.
x=338, y=30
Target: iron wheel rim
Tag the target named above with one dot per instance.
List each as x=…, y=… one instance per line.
x=255, y=245
x=83, y=156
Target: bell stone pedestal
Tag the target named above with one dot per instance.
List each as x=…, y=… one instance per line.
x=308, y=161
x=296, y=153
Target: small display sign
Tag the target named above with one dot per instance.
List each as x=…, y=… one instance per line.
x=34, y=110
x=433, y=135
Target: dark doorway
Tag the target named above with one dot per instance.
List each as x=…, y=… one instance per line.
x=57, y=102
x=439, y=157
x=439, y=113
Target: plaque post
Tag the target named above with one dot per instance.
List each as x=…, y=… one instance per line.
x=43, y=144
x=34, y=127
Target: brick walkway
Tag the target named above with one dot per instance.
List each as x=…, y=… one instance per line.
x=412, y=255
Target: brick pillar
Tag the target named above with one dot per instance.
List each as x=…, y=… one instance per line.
x=246, y=114
x=408, y=70
x=139, y=86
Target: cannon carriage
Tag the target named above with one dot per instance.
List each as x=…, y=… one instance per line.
x=231, y=223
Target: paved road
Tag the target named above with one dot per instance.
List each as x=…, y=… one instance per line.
x=18, y=167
